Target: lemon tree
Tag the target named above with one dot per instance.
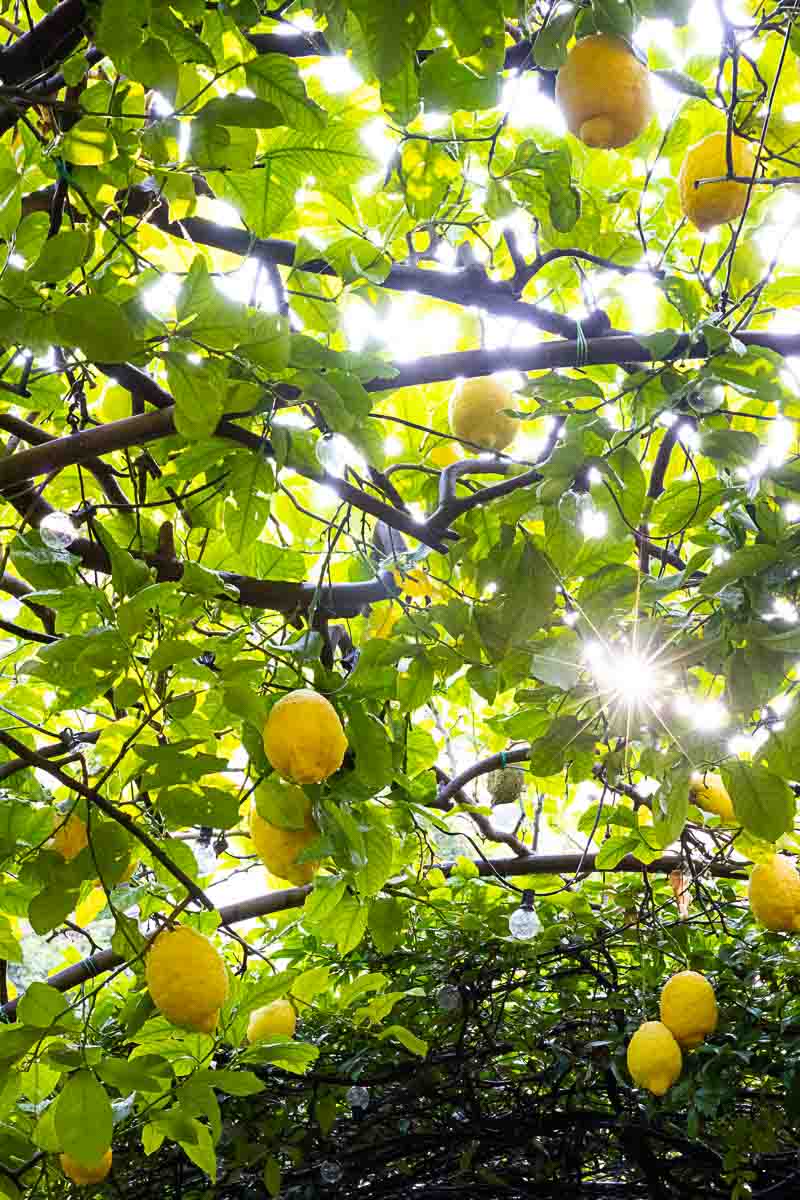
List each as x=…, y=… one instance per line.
x=398, y=609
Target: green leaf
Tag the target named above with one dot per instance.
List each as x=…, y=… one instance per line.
x=613, y=850
x=742, y=564
x=272, y=1176
x=449, y=85
x=276, y=79
x=42, y=1006
x=347, y=923
x=284, y=805
x=89, y=143
x=296, y=1057
x=146, y=1073
x=385, y=923
x=476, y=29
x=372, y=747
x=128, y=574
x=682, y=82
x=733, y=447
x=550, y=752
x=60, y=256
x=233, y=1083
x=240, y=111
x=392, y=33
x=408, y=1039
x=83, y=1118
x=380, y=856
x=184, y=807
x=763, y=802
x=550, y=47
x=197, y=391
x=671, y=805
x=613, y=16
x=96, y=326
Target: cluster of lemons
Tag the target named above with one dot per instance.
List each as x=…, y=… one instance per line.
x=186, y=975
x=604, y=92
x=605, y=116
x=688, y=1012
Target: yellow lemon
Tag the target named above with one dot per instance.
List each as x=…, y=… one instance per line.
x=278, y=848
x=70, y=837
x=85, y=1173
x=644, y=816
x=604, y=92
x=708, y=792
x=775, y=893
x=714, y=203
x=476, y=413
x=654, y=1058
x=303, y=737
x=688, y=1008
x=187, y=979
x=444, y=454
x=277, y=1019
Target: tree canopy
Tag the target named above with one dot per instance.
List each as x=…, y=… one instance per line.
x=249, y=257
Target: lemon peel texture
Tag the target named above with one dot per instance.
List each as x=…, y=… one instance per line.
x=774, y=892
x=654, y=1058
x=187, y=979
x=277, y=1019
x=603, y=90
x=476, y=413
x=688, y=1008
x=714, y=203
x=303, y=737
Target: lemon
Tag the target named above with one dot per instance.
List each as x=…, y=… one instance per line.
x=775, y=894
x=654, y=1058
x=714, y=203
x=604, y=92
x=476, y=413
x=277, y=1019
x=113, y=405
x=187, y=978
x=644, y=816
x=278, y=848
x=708, y=792
x=303, y=737
x=444, y=454
x=70, y=837
x=688, y=1008
x=85, y=1173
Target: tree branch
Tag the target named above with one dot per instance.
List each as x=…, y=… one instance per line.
x=275, y=902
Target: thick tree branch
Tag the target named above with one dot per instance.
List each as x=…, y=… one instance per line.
x=275, y=902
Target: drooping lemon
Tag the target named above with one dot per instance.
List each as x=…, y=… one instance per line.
x=70, y=837
x=708, y=792
x=476, y=413
x=775, y=894
x=688, y=1008
x=654, y=1058
x=714, y=203
x=603, y=91
x=85, y=1173
x=187, y=979
x=303, y=737
x=278, y=848
x=277, y=1019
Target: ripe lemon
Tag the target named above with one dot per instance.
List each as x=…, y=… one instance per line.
x=303, y=737
x=187, y=978
x=775, y=894
x=476, y=413
x=714, y=203
x=604, y=92
x=644, y=816
x=70, y=837
x=278, y=848
x=654, y=1058
x=277, y=1019
x=688, y=1008
x=85, y=1173
x=708, y=792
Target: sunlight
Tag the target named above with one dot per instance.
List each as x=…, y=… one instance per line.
x=629, y=675
x=336, y=74
x=594, y=524
x=706, y=715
